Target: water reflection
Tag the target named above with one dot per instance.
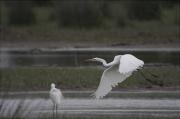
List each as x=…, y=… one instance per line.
x=79, y=107
x=76, y=57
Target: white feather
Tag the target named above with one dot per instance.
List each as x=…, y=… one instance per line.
x=129, y=63
x=55, y=95
x=119, y=69
x=110, y=78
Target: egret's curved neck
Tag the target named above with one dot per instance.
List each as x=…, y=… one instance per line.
x=104, y=62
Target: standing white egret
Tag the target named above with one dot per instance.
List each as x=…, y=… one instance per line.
x=117, y=71
x=55, y=96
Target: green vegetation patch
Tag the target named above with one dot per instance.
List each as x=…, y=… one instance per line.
x=81, y=78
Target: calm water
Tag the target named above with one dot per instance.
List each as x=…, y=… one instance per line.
x=80, y=106
x=77, y=57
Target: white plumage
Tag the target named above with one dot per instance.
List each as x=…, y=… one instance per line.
x=55, y=96
x=129, y=63
x=118, y=70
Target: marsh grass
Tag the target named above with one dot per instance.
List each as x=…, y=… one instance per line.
x=81, y=78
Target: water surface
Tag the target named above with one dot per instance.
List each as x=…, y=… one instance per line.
x=82, y=106
x=77, y=56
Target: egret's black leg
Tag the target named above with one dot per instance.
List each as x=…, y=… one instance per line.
x=53, y=110
x=149, y=80
x=153, y=75
x=56, y=110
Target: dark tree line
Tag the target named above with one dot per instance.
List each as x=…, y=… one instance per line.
x=87, y=13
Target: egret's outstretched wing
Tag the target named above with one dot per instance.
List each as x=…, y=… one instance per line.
x=110, y=78
x=129, y=63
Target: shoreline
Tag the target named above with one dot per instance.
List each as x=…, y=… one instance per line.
x=63, y=45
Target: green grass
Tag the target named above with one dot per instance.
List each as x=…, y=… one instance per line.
x=83, y=78
x=41, y=78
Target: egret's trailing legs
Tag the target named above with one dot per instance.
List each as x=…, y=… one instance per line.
x=149, y=80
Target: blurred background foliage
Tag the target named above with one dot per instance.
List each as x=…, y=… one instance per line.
x=88, y=13
x=21, y=13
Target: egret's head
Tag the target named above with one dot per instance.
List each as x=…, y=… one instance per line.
x=52, y=85
x=94, y=59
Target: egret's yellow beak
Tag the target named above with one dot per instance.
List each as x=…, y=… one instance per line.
x=89, y=60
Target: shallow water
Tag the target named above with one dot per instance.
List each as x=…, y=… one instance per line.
x=76, y=57
x=83, y=107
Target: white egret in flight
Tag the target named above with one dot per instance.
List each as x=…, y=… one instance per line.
x=55, y=96
x=117, y=71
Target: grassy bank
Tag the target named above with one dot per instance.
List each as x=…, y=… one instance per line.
x=83, y=78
